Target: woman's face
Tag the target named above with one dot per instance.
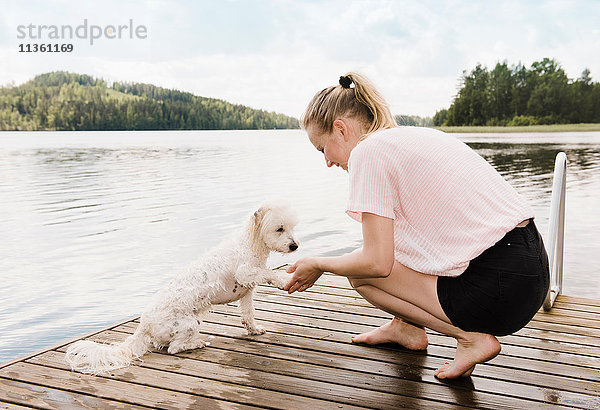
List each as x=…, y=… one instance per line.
x=337, y=145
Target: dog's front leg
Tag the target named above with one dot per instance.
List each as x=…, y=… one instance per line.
x=247, y=308
x=250, y=276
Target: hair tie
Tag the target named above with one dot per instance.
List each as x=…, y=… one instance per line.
x=345, y=81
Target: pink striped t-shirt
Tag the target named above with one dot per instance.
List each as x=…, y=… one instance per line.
x=447, y=202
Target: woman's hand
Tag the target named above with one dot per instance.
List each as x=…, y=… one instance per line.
x=374, y=260
x=306, y=273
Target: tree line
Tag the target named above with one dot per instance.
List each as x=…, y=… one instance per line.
x=542, y=94
x=69, y=101
x=413, y=120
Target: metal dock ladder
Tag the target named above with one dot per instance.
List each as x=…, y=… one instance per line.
x=556, y=231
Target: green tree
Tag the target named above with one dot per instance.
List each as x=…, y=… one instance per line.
x=500, y=86
x=440, y=117
x=549, y=97
x=471, y=105
x=542, y=94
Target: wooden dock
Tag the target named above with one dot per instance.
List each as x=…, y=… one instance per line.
x=306, y=360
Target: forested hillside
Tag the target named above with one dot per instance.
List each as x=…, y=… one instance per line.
x=67, y=101
x=519, y=96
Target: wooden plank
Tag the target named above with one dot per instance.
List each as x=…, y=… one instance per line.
x=112, y=389
x=282, y=318
x=412, y=362
x=579, y=301
x=256, y=387
x=592, y=325
x=575, y=308
x=334, y=281
x=535, y=323
x=568, y=316
x=407, y=364
x=311, y=371
x=11, y=406
x=262, y=393
x=326, y=290
x=586, y=345
x=301, y=308
x=240, y=368
x=322, y=293
x=532, y=340
x=359, y=305
x=43, y=397
x=318, y=292
x=551, y=339
x=550, y=336
x=321, y=366
x=590, y=336
x=578, y=314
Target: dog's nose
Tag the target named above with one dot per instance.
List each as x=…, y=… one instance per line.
x=293, y=246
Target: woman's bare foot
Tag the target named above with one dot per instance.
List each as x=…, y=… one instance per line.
x=475, y=348
x=396, y=331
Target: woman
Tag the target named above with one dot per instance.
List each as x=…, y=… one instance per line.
x=448, y=244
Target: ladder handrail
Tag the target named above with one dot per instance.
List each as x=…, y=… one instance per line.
x=556, y=229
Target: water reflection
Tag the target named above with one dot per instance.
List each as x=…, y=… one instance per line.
x=533, y=160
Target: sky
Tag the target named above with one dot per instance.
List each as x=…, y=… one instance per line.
x=276, y=54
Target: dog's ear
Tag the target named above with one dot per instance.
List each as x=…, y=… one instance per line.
x=257, y=224
x=257, y=220
x=260, y=213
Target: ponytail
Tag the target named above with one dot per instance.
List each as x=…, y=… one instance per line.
x=362, y=102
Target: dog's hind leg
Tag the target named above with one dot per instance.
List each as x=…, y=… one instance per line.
x=247, y=308
x=180, y=345
x=185, y=336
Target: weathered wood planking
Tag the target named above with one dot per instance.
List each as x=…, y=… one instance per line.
x=305, y=360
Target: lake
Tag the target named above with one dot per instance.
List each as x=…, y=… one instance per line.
x=95, y=222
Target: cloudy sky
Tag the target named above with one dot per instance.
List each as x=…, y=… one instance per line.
x=275, y=54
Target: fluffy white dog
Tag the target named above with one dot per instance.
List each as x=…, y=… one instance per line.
x=224, y=274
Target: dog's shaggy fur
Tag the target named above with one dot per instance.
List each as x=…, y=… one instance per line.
x=225, y=274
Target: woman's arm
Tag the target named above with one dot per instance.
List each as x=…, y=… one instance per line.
x=374, y=260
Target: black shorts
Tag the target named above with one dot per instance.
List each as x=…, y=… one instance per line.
x=501, y=289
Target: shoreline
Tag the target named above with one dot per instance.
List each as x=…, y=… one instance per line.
x=465, y=129
x=524, y=128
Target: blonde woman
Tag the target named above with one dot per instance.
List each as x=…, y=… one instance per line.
x=448, y=244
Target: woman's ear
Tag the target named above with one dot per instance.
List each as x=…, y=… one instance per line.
x=340, y=126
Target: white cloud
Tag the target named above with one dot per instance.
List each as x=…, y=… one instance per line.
x=275, y=55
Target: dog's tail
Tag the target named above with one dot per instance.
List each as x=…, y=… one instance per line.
x=90, y=357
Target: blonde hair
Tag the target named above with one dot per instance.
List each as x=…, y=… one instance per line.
x=362, y=102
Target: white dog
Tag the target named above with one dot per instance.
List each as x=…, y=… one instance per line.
x=225, y=274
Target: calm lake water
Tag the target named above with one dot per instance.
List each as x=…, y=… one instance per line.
x=95, y=222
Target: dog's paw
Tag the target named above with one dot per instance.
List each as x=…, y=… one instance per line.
x=175, y=348
x=256, y=330
x=279, y=282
